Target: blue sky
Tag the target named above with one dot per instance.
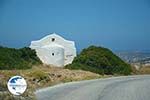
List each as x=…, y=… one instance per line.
x=115, y=24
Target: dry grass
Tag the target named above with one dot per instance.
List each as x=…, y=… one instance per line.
x=144, y=70
x=41, y=76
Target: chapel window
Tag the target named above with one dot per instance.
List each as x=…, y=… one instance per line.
x=53, y=54
x=53, y=39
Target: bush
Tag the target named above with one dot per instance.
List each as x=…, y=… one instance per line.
x=100, y=60
x=23, y=58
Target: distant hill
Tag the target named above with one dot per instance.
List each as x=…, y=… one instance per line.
x=23, y=58
x=135, y=57
x=100, y=60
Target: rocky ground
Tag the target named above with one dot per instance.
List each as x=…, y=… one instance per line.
x=39, y=77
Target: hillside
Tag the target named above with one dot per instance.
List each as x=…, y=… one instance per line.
x=142, y=57
x=23, y=58
x=100, y=60
x=39, y=77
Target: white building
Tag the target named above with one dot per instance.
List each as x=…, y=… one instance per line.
x=54, y=50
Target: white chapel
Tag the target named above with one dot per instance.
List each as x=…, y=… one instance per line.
x=55, y=50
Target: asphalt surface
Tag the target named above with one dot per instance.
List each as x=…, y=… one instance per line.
x=116, y=88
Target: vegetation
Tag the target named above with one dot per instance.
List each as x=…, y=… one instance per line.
x=23, y=58
x=100, y=60
x=39, y=77
x=140, y=69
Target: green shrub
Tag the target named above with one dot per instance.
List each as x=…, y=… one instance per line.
x=100, y=60
x=23, y=58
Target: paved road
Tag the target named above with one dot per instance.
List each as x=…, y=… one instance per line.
x=116, y=88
